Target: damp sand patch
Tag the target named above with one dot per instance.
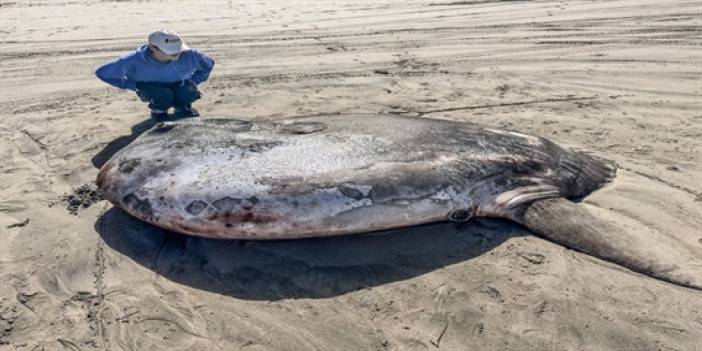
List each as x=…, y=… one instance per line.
x=82, y=197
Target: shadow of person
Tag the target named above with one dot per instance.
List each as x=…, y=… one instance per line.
x=118, y=144
x=305, y=268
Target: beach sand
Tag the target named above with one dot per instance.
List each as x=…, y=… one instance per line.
x=621, y=79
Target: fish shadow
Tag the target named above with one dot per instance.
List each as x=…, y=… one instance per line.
x=304, y=268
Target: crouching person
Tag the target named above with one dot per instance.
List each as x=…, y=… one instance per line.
x=164, y=73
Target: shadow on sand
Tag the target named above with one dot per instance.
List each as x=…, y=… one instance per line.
x=308, y=268
x=118, y=144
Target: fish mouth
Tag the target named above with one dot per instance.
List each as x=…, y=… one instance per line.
x=102, y=178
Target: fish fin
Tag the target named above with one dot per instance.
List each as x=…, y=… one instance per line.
x=526, y=194
x=580, y=174
x=573, y=226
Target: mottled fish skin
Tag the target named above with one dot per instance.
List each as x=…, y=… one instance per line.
x=336, y=174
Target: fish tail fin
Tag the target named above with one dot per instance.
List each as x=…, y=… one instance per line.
x=573, y=226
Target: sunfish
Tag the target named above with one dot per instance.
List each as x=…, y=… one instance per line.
x=345, y=174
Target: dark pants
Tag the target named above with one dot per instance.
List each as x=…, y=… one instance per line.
x=162, y=96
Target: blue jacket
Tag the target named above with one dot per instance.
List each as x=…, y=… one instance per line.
x=139, y=66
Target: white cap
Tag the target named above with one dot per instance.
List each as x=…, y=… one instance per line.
x=168, y=42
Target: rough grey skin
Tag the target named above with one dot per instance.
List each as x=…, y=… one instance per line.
x=343, y=174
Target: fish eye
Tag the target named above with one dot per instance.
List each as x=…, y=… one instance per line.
x=461, y=214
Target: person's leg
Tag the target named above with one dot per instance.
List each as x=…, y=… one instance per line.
x=185, y=94
x=159, y=97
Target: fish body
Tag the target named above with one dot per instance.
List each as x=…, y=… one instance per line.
x=339, y=174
